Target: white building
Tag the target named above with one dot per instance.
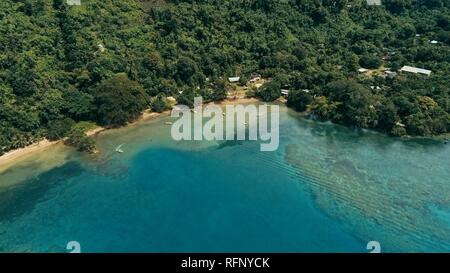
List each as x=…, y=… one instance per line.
x=363, y=70
x=415, y=70
x=374, y=2
x=234, y=79
x=74, y=2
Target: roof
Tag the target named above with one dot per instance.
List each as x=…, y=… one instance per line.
x=373, y=2
x=74, y=2
x=390, y=74
x=415, y=70
x=284, y=91
x=363, y=70
x=234, y=79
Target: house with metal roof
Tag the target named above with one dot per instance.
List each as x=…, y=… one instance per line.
x=374, y=2
x=74, y=2
x=415, y=70
x=234, y=79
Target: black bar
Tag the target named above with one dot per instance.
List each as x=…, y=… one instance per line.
x=236, y=262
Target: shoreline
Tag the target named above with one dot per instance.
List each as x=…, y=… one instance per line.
x=9, y=158
x=15, y=156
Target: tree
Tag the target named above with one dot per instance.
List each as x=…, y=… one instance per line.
x=406, y=31
x=355, y=103
x=52, y=64
x=432, y=3
x=78, y=105
x=398, y=131
x=58, y=129
x=369, y=61
x=154, y=62
x=78, y=139
x=321, y=108
x=397, y=6
x=387, y=117
x=429, y=119
x=220, y=89
x=159, y=104
x=185, y=70
x=299, y=100
x=187, y=97
x=270, y=91
x=119, y=100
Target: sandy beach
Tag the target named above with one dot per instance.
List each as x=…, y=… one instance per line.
x=19, y=153
x=15, y=155
x=11, y=157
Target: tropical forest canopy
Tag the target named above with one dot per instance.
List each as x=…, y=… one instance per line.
x=106, y=61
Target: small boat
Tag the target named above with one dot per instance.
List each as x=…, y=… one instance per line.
x=119, y=149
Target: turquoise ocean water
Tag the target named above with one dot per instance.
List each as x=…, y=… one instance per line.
x=326, y=189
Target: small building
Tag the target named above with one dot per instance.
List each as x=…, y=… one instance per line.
x=234, y=79
x=415, y=70
x=434, y=42
x=390, y=74
x=363, y=70
x=254, y=80
x=74, y=2
x=254, y=77
x=285, y=92
x=374, y=2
